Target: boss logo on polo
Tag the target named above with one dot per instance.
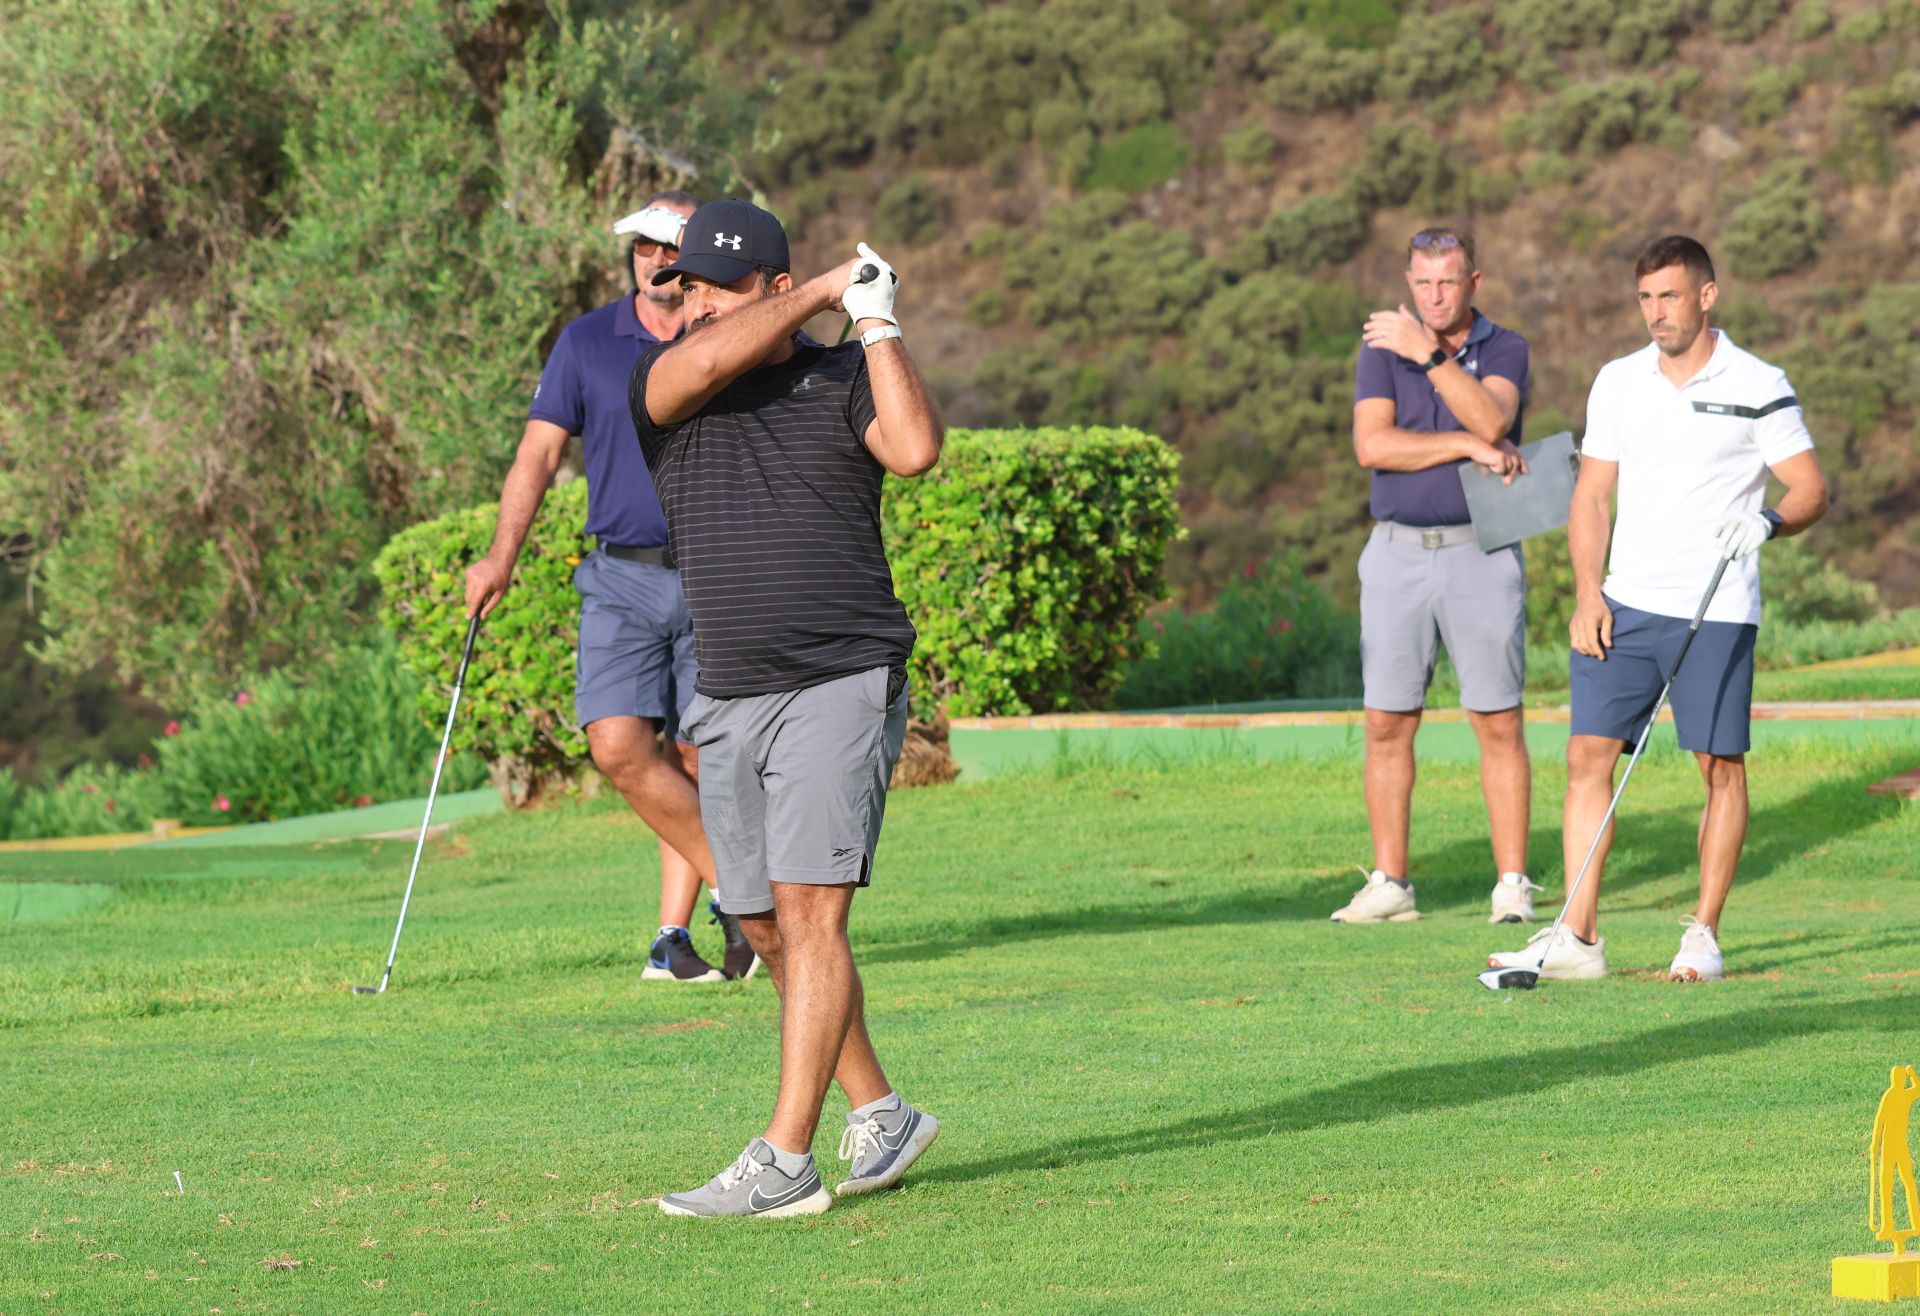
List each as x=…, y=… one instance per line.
x=722, y=240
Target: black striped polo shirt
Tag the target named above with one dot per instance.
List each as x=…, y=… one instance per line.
x=773, y=514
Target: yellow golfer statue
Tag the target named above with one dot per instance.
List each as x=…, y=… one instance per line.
x=1886, y=1276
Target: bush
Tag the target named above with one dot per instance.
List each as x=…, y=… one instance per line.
x=1811, y=20
x=1440, y=55
x=1320, y=231
x=1249, y=147
x=355, y=729
x=89, y=801
x=1298, y=71
x=1766, y=95
x=1145, y=157
x=1025, y=559
x=1799, y=586
x=1778, y=228
x=1743, y=20
x=1272, y=634
x=911, y=211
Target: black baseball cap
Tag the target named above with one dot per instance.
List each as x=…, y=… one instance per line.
x=726, y=241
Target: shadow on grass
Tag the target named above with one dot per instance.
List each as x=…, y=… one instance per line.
x=1417, y=1089
x=1651, y=847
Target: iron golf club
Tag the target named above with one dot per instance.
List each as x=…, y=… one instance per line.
x=1527, y=979
x=439, y=763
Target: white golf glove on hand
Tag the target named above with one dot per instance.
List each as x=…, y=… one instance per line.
x=871, y=301
x=1743, y=534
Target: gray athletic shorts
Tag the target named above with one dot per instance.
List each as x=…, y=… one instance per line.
x=793, y=786
x=636, y=642
x=1412, y=599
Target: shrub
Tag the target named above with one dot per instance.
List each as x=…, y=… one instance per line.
x=1271, y=634
x=1025, y=559
x=1440, y=55
x=1811, y=20
x=1249, y=147
x=357, y=728
x=1766, y=95
x=1298, y=71
x=1144, y=157
x=89, y=801
x=1596, y=118
x=1778, y=228
x=910, y=211
x=987, y=308
x=1743, y=20
x=1800, y=586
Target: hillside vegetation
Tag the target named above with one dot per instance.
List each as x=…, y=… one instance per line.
x=275, y=283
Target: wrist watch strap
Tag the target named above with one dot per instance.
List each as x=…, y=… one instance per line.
x=1773, y=519
x=880, y=335
x=1439, y=358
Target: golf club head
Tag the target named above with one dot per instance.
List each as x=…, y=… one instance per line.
x=1501, y=980
x=366, y=991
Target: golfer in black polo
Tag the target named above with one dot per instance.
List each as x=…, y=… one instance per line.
x=769, y=451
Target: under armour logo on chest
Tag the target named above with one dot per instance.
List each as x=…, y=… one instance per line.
x=804, y=385
x=722, y=240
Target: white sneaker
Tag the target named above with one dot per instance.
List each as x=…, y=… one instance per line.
x=1511, y=901
x=1381, y=900
x=1699, y=958
x=1567, y=957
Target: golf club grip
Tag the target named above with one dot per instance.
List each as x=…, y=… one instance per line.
x=866, y=274
x=466, y=651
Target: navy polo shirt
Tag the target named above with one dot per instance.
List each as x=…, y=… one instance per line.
x=1433, y=497
x=583, y=390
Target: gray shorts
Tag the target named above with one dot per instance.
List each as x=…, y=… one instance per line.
x=793, y=786
x=1412, y=599
x=636, y=642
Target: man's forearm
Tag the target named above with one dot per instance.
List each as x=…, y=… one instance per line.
x=1393, y=449
x=715, y=354
x=1587, y=535
x=910, y=428
x=520, y=498
x=1799, y=507
x=1478, y=411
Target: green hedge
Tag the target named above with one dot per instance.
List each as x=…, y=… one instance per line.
x=1026, y=559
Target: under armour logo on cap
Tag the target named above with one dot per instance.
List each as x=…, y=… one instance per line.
x=722, y=240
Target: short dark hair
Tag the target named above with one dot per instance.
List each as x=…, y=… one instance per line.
x=675, y=196
x=1675, y=249
x=1438, y=240
x=767, y=273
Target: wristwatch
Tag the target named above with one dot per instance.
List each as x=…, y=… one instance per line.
x=1439, y=358
x=1774, y=521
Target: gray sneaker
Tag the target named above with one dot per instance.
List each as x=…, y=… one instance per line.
x=882, y=1146
x=753, y=1185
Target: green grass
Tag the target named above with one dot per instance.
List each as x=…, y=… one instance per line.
x=1166, y=1081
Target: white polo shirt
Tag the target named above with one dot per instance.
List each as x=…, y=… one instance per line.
x=1690, y=457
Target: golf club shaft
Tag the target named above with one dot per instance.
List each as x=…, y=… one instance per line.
x=1686, y=642
x=433, y=791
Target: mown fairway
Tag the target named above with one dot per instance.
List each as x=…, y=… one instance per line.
x=1166, y=1081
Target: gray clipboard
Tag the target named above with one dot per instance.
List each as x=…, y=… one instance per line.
x=1535, y=502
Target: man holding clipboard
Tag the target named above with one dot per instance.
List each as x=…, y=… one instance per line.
x=1438, y=388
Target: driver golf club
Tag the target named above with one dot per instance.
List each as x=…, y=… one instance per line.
x=439, y=763
x=1527, y=979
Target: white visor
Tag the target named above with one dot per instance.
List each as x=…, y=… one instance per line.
x=655, y=223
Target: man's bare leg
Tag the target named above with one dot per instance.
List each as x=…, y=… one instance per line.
x=1590, y=764
x=658, y=788
x=1506, y=780
x=1723, y=831
x=1389, y=781
x=858, y=1069
x=680, y=881
x=819, y=995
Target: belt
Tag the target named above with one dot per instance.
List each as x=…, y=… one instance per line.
x=659, y=557
x=1438, y=536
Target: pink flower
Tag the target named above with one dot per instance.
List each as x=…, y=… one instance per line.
x=1252, y=569
x=362, y=801
x=1280, y=627
x=222, y=803
x=243, y=698
x=88, y=788
x=172, y=728
x=111, y=806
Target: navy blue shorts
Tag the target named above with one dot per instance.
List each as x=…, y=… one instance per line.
x=1712, y=697
x=636, y=643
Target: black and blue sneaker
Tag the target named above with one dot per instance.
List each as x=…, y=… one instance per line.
x=673, y=959
x=740, y=961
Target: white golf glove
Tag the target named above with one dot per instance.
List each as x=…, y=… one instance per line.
x=1743, y=534
x=871, y=301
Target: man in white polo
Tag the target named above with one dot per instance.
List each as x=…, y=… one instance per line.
x=1687, y=430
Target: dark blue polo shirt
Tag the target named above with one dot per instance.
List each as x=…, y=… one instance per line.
x=583, y=390
x=1434, y=497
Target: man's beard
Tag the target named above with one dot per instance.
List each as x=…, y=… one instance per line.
x=667, y=299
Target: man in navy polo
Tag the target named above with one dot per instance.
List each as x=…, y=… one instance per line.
x=1437, y=387
x=635, y=670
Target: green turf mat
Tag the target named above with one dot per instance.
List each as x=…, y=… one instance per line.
x=394, y=816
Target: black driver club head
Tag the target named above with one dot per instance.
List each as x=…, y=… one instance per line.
x=1501, y=980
